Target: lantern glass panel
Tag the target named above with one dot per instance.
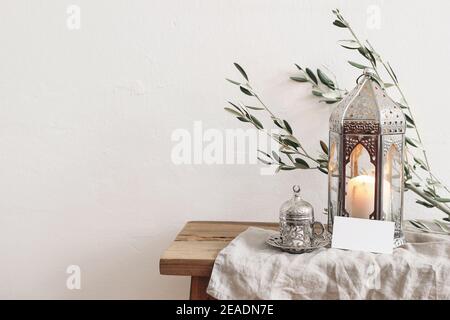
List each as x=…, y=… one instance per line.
x=392, y=184
x=360, y=184
x=333, y=175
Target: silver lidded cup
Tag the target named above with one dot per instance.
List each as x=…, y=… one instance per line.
x=297, y=225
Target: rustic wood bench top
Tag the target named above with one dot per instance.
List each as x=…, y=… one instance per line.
x=196, y=246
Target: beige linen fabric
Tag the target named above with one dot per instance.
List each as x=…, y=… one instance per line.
x=249, y=269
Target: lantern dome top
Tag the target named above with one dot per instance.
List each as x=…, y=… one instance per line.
x=367, y=109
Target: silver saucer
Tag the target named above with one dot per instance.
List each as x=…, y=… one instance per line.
x=322, y=242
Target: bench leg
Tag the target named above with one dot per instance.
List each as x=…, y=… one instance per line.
x=198, y=288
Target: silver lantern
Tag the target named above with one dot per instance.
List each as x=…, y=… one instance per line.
x=365, y=168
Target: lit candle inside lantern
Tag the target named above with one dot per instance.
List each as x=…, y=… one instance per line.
x=360, y=198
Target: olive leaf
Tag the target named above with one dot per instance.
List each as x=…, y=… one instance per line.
x=339, y=24
x=324, y=79
x=324, y=147
x=323, y=170
x=330, y=101
x=237, y=108
x=246, y=91
x=243, y=119
x=364, y=52
x=349, y=44
x=287, y=150
x=312, y=76
x=424, y=203
x=300, y=163
x=431, y=226
x=256, y=122
x=278, y=123
x=232, y=111
x=241, y=70
x=276, y=157
x=434, y=183
x=429, y=193
x=233, y=82
x=265, y=154
x=357, y=65
x=254, y=108
x=421, y=163
x=265, y=161
x=420, y=225
x=442, y=226
x=409, y=119
x=413, y=142
x=287, y=126
x=371, y=57
x=299, y=79
x=291, y=141
x=285, y=167
x=332, y=95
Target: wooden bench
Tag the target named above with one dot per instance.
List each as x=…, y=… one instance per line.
x=195, y=248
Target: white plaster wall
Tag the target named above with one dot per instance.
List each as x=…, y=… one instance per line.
x=86, y=118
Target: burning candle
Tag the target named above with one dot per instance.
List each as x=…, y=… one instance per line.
x=360, y=197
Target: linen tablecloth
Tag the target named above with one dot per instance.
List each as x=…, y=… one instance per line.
x=249, y=269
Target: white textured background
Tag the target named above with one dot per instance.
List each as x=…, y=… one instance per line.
x=86, y=118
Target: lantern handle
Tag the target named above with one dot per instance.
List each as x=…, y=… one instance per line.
x=357, y=79
x=368, y=73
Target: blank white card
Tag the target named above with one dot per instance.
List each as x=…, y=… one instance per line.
x=363, y=234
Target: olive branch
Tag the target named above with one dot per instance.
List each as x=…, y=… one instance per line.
x=417, y=170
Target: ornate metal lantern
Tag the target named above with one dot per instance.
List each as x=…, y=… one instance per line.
x=365, y=169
